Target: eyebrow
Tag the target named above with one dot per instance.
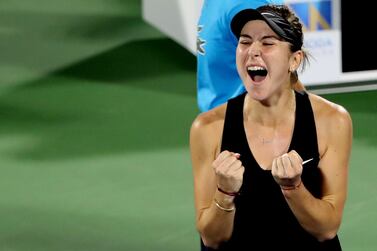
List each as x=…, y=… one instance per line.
x=264, y=37
x=245, y=36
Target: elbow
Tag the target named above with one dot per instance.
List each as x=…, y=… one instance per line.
x=211, y=239
x=329, y=229
x=210, y=243
x=329, y=235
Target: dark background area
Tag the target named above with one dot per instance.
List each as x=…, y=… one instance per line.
x=359, y=50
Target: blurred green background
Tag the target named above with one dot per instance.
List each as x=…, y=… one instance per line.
x=95, y=111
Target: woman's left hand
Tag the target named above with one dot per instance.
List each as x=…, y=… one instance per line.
x=287, y=169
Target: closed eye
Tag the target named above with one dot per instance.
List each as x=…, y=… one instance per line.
x=244, y=42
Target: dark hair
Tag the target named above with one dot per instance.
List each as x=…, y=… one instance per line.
x=286, y=13
x=295, y=25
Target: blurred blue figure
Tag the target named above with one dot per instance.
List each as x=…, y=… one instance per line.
x=217, y=77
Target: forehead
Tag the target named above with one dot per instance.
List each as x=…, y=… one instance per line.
x=257, y=27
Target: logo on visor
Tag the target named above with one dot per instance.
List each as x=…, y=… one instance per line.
x=315, y=15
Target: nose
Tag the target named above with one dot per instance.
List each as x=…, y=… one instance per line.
x=254, y=49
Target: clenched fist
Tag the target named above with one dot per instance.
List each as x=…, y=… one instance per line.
x=287, y=169
x=229, y=171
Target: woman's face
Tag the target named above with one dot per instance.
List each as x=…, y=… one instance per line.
x=264, y=60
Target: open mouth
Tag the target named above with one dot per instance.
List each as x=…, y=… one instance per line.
x=257, y=73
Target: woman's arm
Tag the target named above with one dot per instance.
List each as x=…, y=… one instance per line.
x=214, y=222
x=322, y=216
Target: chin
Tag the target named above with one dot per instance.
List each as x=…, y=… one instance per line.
x=257, y=93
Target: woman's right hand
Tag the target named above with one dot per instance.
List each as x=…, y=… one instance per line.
x=229, y=171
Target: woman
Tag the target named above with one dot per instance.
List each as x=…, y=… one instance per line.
x=217, y=77
x=252, y=188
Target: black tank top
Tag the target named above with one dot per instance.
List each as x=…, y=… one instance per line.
x=263, y=219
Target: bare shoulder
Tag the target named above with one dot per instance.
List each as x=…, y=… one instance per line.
x=210, y=120
x=326, y=111
x=333, y=123
x=206, y=131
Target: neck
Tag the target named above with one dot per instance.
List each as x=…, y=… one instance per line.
x=273, y=111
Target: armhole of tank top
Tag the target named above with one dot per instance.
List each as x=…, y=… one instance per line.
x=318, y=156
x=223, y=130
x=231, y=116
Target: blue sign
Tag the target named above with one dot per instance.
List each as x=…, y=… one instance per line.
x=314, y=15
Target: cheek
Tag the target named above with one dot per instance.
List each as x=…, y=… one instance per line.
x=282, y=62
x=240, y=59
x=238, y=62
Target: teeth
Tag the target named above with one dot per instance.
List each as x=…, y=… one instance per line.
x=255, y=68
